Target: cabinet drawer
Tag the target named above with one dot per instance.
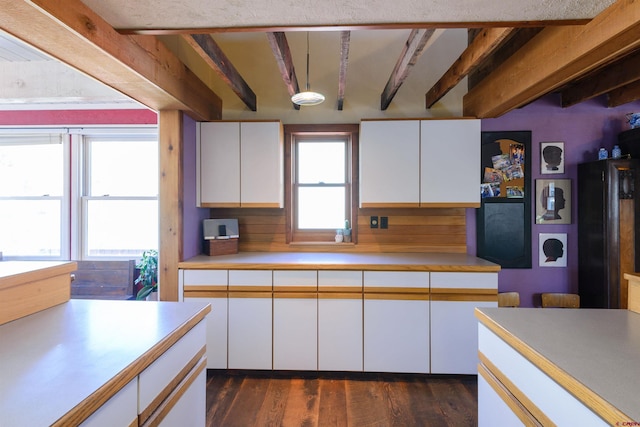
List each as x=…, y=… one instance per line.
x=205, y=278
x=158, y=379
x=250, y=280
x=464, y=280
x=339, y=281
x=298, y=280
x=120, y=410
x=396, y=282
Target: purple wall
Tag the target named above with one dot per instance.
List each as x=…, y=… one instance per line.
x=192, y=234
x=583, y=128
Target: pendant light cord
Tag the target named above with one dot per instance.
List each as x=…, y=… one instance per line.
x=308, y=86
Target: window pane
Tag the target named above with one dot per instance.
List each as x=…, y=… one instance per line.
x=321, y=162
x=31, y=170
x=124, y=168
x=321, y=207
x=30, y=228
x=121, y=227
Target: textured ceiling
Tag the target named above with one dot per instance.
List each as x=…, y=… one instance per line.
x=371, y=59
x=250, y=13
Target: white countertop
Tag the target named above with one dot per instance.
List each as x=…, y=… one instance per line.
x=342, y=261
x=51, y=361
x=597, y=347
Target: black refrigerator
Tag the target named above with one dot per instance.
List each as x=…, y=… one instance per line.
x=608, y=231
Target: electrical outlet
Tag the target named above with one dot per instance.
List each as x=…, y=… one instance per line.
x=373, y=222
x=384, y=222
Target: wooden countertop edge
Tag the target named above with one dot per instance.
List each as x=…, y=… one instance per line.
x=37, y=274
x=590, y=399
x=95, y=400
x=360, y=266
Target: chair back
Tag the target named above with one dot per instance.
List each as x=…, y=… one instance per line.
x=560, y=300
x=508, y=299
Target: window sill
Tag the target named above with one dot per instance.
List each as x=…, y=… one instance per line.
x=321, y=244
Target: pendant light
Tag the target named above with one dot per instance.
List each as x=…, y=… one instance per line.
x=307, y=97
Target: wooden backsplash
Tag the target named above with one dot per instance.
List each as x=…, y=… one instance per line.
x=410, y=230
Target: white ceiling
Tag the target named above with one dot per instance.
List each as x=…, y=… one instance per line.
x=372, y=56
x=251, y=13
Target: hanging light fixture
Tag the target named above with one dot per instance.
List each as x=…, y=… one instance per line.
x=307, y=97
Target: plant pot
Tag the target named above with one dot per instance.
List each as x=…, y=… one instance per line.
x=153, y=296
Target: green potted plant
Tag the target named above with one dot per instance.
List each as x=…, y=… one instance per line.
x=148, y=276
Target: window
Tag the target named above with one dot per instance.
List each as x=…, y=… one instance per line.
x=120, y=196
x=321, y=191
x=34, y=195
x=71, y=194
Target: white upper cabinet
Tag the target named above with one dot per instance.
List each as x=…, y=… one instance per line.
x=390, y=163
x=450, y=162
x=241, y=164
x=219, y=164
x=413, y=163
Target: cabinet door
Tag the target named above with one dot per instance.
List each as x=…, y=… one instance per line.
x=450, y=162
x=340, y=332
x=250, y=331
x=396, y=335
x=216, y=321
x=454, y=335
x=396, y=322
x=340, y=320
x=390, y=163
x=250, y=319
x=219, y=164
x=210, y=286
x=295, y=320
x=262, y=165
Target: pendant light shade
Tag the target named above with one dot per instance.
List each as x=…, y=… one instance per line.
x=307, y=97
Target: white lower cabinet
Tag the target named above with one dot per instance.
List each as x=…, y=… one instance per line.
x=340, y=321
x=295, y=320
x=191, y=408
x=454, y=338
x=250, y=319
x=396, y=322
x=492, y=409
x=210, y=286
x=216, y=322
x=377, y=321
x=119, y=410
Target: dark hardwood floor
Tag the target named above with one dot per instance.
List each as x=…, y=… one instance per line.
x=250, y=398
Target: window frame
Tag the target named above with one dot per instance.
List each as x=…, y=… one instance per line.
x=72, y=224
x=39, y=137
x=294, y=133
x=84, y=194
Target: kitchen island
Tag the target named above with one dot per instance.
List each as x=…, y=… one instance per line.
x=564, y=367
x=363, y=312
x=105, y=363
x=27, y=287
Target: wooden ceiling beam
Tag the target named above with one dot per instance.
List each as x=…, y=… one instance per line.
x=483, y=45
x=353, y=27
x=140, y=67
x=345, y=42
x=517, y=39
x=624, y=94
x=282, y=53
x=618, y=74
x=210, y=52
x=553, y=58
x=412, y=50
